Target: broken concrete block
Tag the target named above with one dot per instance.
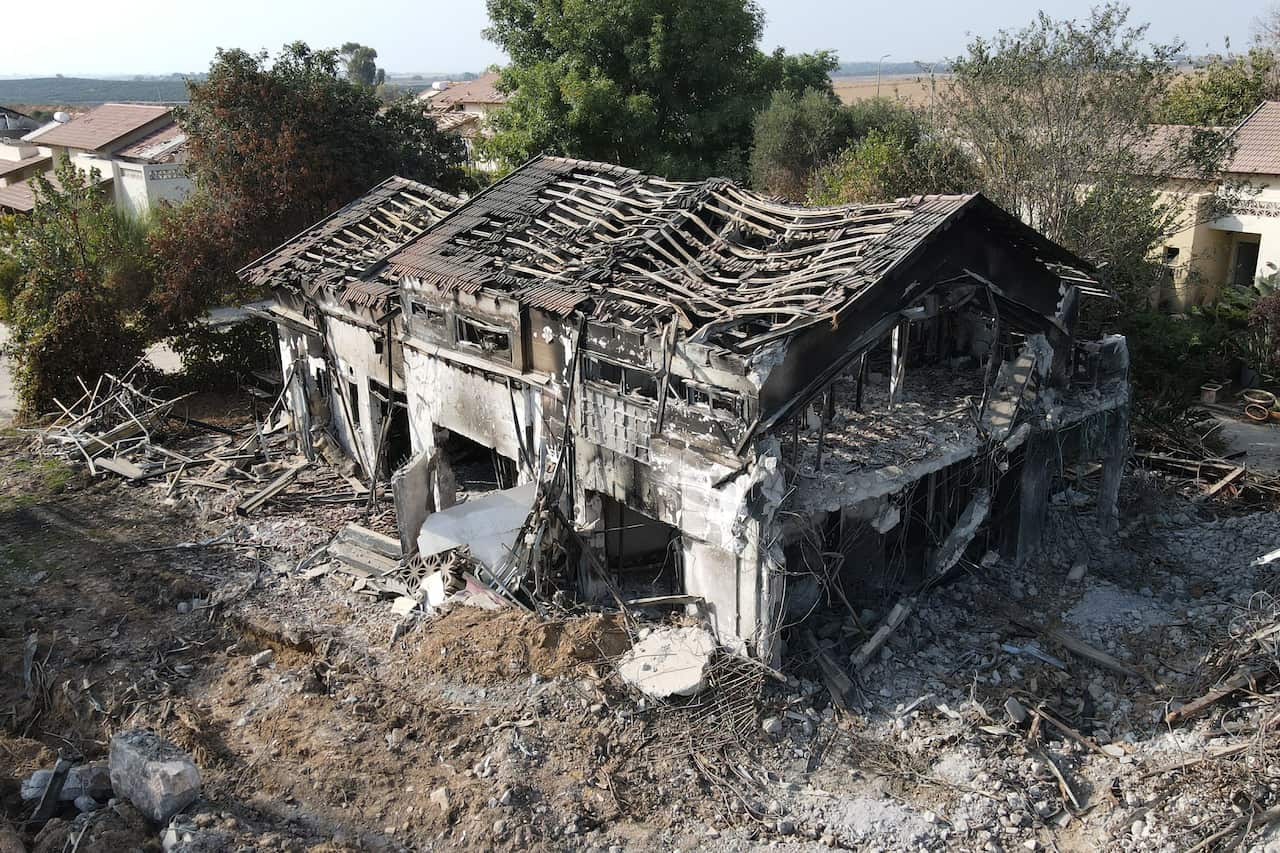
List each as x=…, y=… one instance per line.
x=1015, y=710
x=669, y=662
x=1077, y=571
x=155, y=775
x=263, y=658
x=772, y=726
x=88, y=780
x=34, y=785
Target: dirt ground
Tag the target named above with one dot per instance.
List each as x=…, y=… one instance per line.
x=477, y=729
x=914, y=89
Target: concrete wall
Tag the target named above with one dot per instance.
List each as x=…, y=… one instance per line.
x=471, y=402
x=167, y=182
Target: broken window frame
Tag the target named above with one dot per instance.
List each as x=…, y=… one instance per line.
x=721, y=403
x=466, y=327
x=638, y=384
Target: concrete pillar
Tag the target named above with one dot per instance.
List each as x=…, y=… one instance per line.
x=1115, y=447
x=1038, y=465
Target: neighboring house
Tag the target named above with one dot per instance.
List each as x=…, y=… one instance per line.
x=1235, y=248
x=19, y=161
x=14, y=123
x=756, y=407
x=137, y=150
x=462, y=108
x=342, y=372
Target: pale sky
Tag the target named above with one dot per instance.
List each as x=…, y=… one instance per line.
x=90, y=38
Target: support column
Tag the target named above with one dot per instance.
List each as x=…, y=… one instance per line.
x=898, y=363
x=1115, y=447
x=1033, y=493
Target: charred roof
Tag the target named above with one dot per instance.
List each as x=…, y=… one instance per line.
x=733, y=267
x=344, y=251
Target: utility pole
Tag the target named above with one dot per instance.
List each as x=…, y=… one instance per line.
x=878, y=65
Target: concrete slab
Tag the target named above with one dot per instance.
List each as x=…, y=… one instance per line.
x=487, y=524
x=1260, y=442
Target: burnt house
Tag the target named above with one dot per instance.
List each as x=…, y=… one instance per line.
x=336, y=317
x=754, y=408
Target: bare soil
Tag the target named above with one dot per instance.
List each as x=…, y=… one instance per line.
x=490, y=730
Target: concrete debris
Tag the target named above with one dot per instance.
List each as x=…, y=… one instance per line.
x=155, y=775
x=262, y=658
x=669, y=662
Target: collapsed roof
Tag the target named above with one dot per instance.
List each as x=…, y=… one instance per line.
x=344, y=251
x=733, y=267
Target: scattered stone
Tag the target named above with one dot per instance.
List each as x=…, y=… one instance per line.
x=786, y=827
x=86, y=803
x=263, y=658
x=772, y=726
x=155, y=775
x=440, y=797
x=669, y=662
x=1077, y=571
x=1014, y=709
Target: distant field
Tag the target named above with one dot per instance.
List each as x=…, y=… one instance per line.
x=912, y=88
x=81, y=90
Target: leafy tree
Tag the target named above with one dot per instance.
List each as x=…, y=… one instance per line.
x=361, y=64
x=892, y=162
x=666, y=86
x=1059, y=118
x=793, y=137
x=273, y=146
x=73, y=271
x=1224, y=91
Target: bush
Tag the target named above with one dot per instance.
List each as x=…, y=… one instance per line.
x=1171, y=356
x=82, y=338
x=223, y=358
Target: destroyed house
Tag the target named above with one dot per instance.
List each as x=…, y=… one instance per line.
x=709, y=398
x=336, y=317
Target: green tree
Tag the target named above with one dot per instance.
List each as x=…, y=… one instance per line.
x=891, y=162
x=1059, y=117
x=361, y=64
x=794, y=136
x=666, y=86
x=1224, y=91
x=273, y=146
x=74, y=271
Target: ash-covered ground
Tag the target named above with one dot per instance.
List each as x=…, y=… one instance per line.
x=475, y=729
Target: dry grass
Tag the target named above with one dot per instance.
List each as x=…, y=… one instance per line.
x=911, y=88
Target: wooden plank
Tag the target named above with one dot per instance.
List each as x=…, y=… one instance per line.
x=269, y=491
x=896, y=617
x=1230, y=478
x=123, y=467
x=1194, y=708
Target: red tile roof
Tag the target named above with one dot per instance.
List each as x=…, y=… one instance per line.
x=481, y=90
x=22, y=198
x=17, y=197
x=102, y=126
x=1257, y=142
x=10, y=166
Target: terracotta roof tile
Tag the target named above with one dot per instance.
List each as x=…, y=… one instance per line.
x=1257, y=142
x=482, y=90
x=10, y=166
x=104, y=125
